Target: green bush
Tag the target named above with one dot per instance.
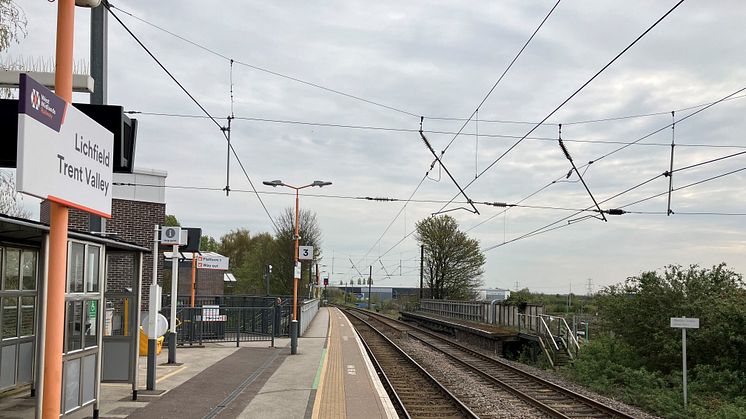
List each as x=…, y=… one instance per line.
x=612, y=367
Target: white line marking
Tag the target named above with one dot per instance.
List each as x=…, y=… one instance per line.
x=351, y=370
x=344, y=338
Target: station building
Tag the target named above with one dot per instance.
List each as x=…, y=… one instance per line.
x=109, y=269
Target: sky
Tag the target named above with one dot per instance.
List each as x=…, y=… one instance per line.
x=334, y=91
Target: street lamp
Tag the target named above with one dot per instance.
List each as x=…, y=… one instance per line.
x=294, y=323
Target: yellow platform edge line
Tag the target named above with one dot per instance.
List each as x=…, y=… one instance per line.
x=320, y=388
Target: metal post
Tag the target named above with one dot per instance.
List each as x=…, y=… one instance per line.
x=274, y=318
x=266, y=277
x=683, y=360
x=238, y=327
x=135, y=325
x=174, y=302
x=294, y=323
x=422, y=267
x=58, y=220
x=155, y=296
x=294, y=337
x=370, y=282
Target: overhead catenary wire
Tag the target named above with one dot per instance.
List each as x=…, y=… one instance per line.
x=499, y=79
x=413, y=114
x=426, y=131
x=575, y=93
x=199, y=105
x=553, y=226
x=268, y=71
x=359, y=198
x=585, y=166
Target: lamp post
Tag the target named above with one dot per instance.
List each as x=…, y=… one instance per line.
x=294, y=323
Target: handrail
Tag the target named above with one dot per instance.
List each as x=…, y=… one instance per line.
x=549, y=332
x=571, y=334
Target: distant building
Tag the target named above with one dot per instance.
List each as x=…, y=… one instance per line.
x=492, y=294
x=382, y=293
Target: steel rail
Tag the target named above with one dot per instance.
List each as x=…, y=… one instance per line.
x=606, y=410
x=444, y=392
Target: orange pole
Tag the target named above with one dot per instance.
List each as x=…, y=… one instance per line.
x=55, y=321
x=295, y=280
x=194, y=274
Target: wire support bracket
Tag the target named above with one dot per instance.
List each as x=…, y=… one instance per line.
x=474, y=209
x=575, y=168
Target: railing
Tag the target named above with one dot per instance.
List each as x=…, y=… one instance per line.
x=197, y=325
x=307, y=312
x=490, y=312
x=282, y=321
x=472, y=311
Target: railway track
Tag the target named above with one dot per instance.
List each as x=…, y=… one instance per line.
x=417, y=393
x=549, y=398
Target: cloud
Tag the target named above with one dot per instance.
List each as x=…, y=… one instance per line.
x=439, y=59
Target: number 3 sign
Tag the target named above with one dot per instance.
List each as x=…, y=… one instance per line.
x=305, y=252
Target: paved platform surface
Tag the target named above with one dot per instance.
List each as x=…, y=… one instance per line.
x=349, y=386
x=328, y=375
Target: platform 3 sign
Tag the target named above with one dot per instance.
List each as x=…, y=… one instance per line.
x=63, y=155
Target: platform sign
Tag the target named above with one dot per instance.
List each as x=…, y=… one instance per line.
x=684, y=323
x=63, y=155
x=212, y=262
x=305, y=252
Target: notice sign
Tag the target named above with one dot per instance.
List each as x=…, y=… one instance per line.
x=63, y=155
x=212, y=262
x=685, y=322
x=305, y=252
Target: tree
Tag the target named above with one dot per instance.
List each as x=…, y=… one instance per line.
x=11, y=202
x=638, y=312
x=208, y=244
x=171, y=221
x=310, y=235
x=12, y=23
x=453, y=261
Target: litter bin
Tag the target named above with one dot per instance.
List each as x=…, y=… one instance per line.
x=144, y=344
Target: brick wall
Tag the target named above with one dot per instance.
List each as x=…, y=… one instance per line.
x=76, y=219
x=133, y=222
x=209, y=281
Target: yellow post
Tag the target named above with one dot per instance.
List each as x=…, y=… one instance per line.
x=55, y=321
x=126, y=316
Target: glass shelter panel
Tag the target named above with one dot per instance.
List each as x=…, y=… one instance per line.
x=29, y=270
x=10, y=317
x=76, y=265
x=28, y=309
x=93, y=262
x=73, y=326
x=12, y=269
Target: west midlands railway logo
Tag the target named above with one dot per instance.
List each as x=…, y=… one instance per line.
x=35, y=99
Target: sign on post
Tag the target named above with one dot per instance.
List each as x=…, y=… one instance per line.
x=63, y=155
x=684, y=323
x=212, y=262
x=305, y=252
x=296, y=270
x=172, y=236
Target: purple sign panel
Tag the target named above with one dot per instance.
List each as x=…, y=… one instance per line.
x=40, y=103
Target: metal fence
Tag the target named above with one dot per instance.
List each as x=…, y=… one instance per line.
x=481, y=311
x=307, y=312
x=197, y=325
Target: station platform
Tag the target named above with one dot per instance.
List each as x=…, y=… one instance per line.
x=330, y=377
